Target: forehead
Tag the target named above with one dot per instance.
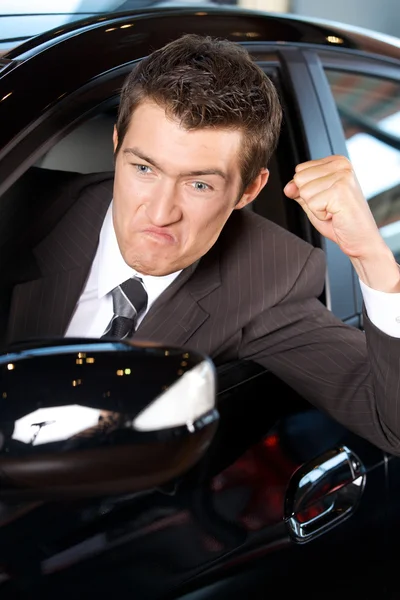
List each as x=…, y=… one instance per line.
x=163, y=138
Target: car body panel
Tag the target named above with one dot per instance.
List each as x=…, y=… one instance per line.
x=230, y=506
x=129, y=38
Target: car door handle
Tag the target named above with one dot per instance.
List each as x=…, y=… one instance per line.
x=323, y=493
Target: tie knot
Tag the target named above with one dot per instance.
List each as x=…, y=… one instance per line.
x=129, y=299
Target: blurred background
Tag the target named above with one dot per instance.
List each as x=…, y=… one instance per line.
x=21, y=19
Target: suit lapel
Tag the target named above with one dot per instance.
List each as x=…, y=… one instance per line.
x=44, y=306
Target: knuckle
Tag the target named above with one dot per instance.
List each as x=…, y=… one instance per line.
x=344, y=163
x=306, y=194
x=298, y=178
x=343, y=183
x=347, y=176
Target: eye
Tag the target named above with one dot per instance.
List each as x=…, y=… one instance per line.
x=200, y=186
x=142, y=169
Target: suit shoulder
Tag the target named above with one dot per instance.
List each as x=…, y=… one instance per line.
x=54, y=180
x=245, y=226
x=52, y=194
x=48, y=188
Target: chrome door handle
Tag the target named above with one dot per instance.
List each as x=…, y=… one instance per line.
x=323, y=492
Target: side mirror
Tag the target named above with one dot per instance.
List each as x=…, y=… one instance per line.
x=90, y=417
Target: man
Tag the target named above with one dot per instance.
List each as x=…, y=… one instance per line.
x=167, y=253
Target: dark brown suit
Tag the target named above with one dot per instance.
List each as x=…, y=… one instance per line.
x=253, y=296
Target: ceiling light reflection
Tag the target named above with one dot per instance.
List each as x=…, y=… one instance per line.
x=334, y=40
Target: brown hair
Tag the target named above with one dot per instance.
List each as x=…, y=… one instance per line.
x=206, y=82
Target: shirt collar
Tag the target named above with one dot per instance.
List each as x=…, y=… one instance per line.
x=113, y=270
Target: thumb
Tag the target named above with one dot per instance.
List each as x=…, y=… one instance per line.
x=291, y=190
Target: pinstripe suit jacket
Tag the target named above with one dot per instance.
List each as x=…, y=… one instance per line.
x=253, y=296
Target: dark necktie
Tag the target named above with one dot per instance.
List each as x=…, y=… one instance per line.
x=129, y=302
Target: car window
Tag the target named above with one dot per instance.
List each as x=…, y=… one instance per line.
x=369, y=108
x=88, y=148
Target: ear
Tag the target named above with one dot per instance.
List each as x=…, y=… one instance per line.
x=253, y=189
x=115, y=138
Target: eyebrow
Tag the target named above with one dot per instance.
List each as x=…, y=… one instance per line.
x=151, y=161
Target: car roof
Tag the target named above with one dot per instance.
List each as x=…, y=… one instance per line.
x=49, y=68
x=249, y=26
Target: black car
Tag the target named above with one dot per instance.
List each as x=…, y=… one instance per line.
x=276, y=498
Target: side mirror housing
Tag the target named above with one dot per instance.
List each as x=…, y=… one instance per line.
x=90, y=417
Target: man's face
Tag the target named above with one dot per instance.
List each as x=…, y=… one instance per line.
x=174, y=190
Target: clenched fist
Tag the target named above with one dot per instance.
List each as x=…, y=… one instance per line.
x=330, y=195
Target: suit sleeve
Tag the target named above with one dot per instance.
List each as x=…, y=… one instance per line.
x=351, y=375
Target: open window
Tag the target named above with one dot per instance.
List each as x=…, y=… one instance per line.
x=369, y=107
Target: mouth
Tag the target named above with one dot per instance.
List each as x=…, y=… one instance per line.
x=160, y=235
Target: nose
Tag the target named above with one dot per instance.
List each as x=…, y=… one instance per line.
x=163, y=208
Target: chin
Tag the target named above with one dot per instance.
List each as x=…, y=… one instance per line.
x=154, y=268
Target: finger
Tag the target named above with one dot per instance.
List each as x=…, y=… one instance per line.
x=318, y=207
x=327, y=160
x=333, y=170
x=316, y=178
x=314, y=172
x=312, y=217
x=311, y=187
x=306, y=172
x=314, y=163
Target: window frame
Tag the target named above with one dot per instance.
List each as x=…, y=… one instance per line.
x=34, y=141
x=323, y=135
x=347, y=62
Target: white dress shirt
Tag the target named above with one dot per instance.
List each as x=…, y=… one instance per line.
x=94, y=309
x=382, y=309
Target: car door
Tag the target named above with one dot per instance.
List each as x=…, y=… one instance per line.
x=366, y=92
x=240, y=519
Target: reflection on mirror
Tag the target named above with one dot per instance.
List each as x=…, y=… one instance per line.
x=91, y=417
